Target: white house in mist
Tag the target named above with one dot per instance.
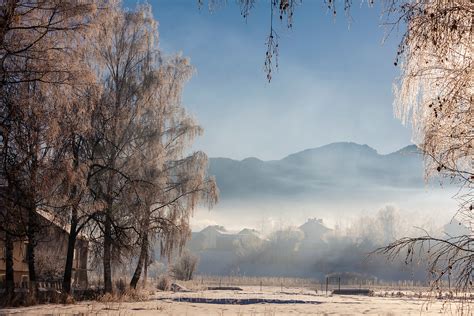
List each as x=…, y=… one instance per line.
x=315, y=232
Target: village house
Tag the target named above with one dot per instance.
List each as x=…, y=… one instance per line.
x=315, y=233
x=50, y=255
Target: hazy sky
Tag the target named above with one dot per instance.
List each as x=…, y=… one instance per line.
x=334, y=82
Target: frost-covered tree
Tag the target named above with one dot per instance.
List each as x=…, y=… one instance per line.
x=184, y=267
x=435, y=89
x=174, y=183
x=435, y=94
x=138, y=169
x=121, y=56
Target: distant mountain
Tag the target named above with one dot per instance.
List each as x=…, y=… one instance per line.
x=337, y=166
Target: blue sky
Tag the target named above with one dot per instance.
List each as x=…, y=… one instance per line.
x=334, y=82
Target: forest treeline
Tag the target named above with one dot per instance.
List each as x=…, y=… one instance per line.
x=94, y=133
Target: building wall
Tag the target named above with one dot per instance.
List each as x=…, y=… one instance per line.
x=80, y=263
x=225, y=242
x=20, y=265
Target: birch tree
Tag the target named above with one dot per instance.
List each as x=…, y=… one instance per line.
x=174, y=183
x=140, y=135
x=121, y=55
x=435, y=94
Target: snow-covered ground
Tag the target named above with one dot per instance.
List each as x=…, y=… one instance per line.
x=250, y=301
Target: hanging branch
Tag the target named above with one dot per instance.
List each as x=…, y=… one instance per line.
x=271, y=55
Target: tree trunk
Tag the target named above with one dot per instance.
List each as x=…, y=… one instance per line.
x=108, y=227
x=145, y=269
x=9, y=272
x=71, y=245
x=141, y=261
x=30, y=250
x=107, y=253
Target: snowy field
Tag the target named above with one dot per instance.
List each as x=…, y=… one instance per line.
x=250, y=301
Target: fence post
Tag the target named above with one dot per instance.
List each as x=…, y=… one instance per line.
x=339, y=283
x=327, y=283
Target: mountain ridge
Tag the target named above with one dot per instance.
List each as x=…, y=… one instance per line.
x=335, y=166
x=408, y=148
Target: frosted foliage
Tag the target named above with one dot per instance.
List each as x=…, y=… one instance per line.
x=435, y=94
x=435, y=90
x=43, y=73
x=144, y=133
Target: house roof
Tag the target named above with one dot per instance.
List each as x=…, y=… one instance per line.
x=249, y=231
x=314, y=225
x=56, y=221
x=216, y=228
x=48, y=216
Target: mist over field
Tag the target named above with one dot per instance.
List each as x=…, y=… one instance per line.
x=338, y=182
x=321, y=212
